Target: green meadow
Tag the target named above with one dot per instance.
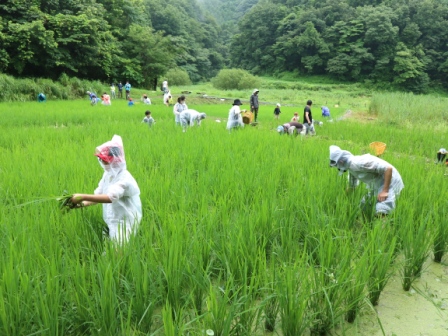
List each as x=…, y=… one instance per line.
x=243, y=233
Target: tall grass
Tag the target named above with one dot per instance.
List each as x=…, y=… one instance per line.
x=242, y=231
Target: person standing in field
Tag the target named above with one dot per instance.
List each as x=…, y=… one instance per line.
x=148, y=119
x=382, y=179
x=117, y=191
x=277, y=111
x=308, y=118
x=120, y=90
x=235, y=118
x=178, y=108
x=165, y=86
x=127, y=88
x=296, y=117
x=112, y=90
x=254, y=104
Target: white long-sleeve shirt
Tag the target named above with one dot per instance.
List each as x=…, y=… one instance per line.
x=190, y=117
x=370, y=170
x=124, y=214
x=235, y=118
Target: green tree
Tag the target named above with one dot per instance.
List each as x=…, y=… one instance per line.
x=409, y=69
x=149, y=56
x=252, y=48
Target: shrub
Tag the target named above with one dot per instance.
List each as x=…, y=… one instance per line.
x=178, y=76
x=231, y=79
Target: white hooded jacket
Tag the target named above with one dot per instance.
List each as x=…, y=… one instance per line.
x=366, y=168
x=190, y=117
x=123, y=215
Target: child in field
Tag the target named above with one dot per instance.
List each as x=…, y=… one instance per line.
x=148, y=119
x=146, y=100
x=296, y=117
x=106, y=99
x=277, y=111
x=117, y=191
x=130, y=102
x=93, y=98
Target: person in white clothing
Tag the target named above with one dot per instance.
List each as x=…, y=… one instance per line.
x=178, y=108
x=235, y=118
x=117, y=191
x=146, y=100
x=165, y=86
x=382, y=179
x=190, y=117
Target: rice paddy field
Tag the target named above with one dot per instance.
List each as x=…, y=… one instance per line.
x=243, y=233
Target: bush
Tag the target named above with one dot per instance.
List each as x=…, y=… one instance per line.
x=235, y=79
x=177, y=77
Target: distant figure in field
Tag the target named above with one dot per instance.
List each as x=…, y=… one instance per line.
x=146, y=100
x=120, y=90
x=254, y=104
x=117, y=191
x=235, y=118
x=127, y=87
x=106, y=99
x=382, y=179
x=277, y=111
x=308, y=118
x=178, y=108
x=166, y=98
x=112, y=90
x=148, y=119
x=190, y=117
x=165, y=88
x=41, y=98
x=296, y=117
x=93, y=98
x=325, y=112
x=441, y=155
x=130, y=102
x=291, y=128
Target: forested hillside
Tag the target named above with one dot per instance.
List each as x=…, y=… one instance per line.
x=108, y=39
x=399, y=43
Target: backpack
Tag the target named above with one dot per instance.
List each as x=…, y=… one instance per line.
x=161, y=87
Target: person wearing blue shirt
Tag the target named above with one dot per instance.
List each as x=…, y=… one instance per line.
x=127, y=87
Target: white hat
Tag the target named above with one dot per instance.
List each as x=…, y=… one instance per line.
x=256, y=90
x=442, y=151
x=278, y=104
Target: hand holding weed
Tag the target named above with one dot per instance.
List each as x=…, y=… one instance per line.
x=76, y=201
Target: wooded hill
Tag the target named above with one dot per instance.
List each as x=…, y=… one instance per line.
x=399, y=43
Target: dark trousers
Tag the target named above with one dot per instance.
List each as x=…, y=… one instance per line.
x=440, y=157
x=255, y=112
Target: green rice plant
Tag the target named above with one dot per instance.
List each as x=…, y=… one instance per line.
x=355, y=287
x=293, y=292
x=441, y=232
x=416, y=236
x=221, y=308
x=328, y=279
x=173, y=327
x=270, y=303
x=380, y=252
